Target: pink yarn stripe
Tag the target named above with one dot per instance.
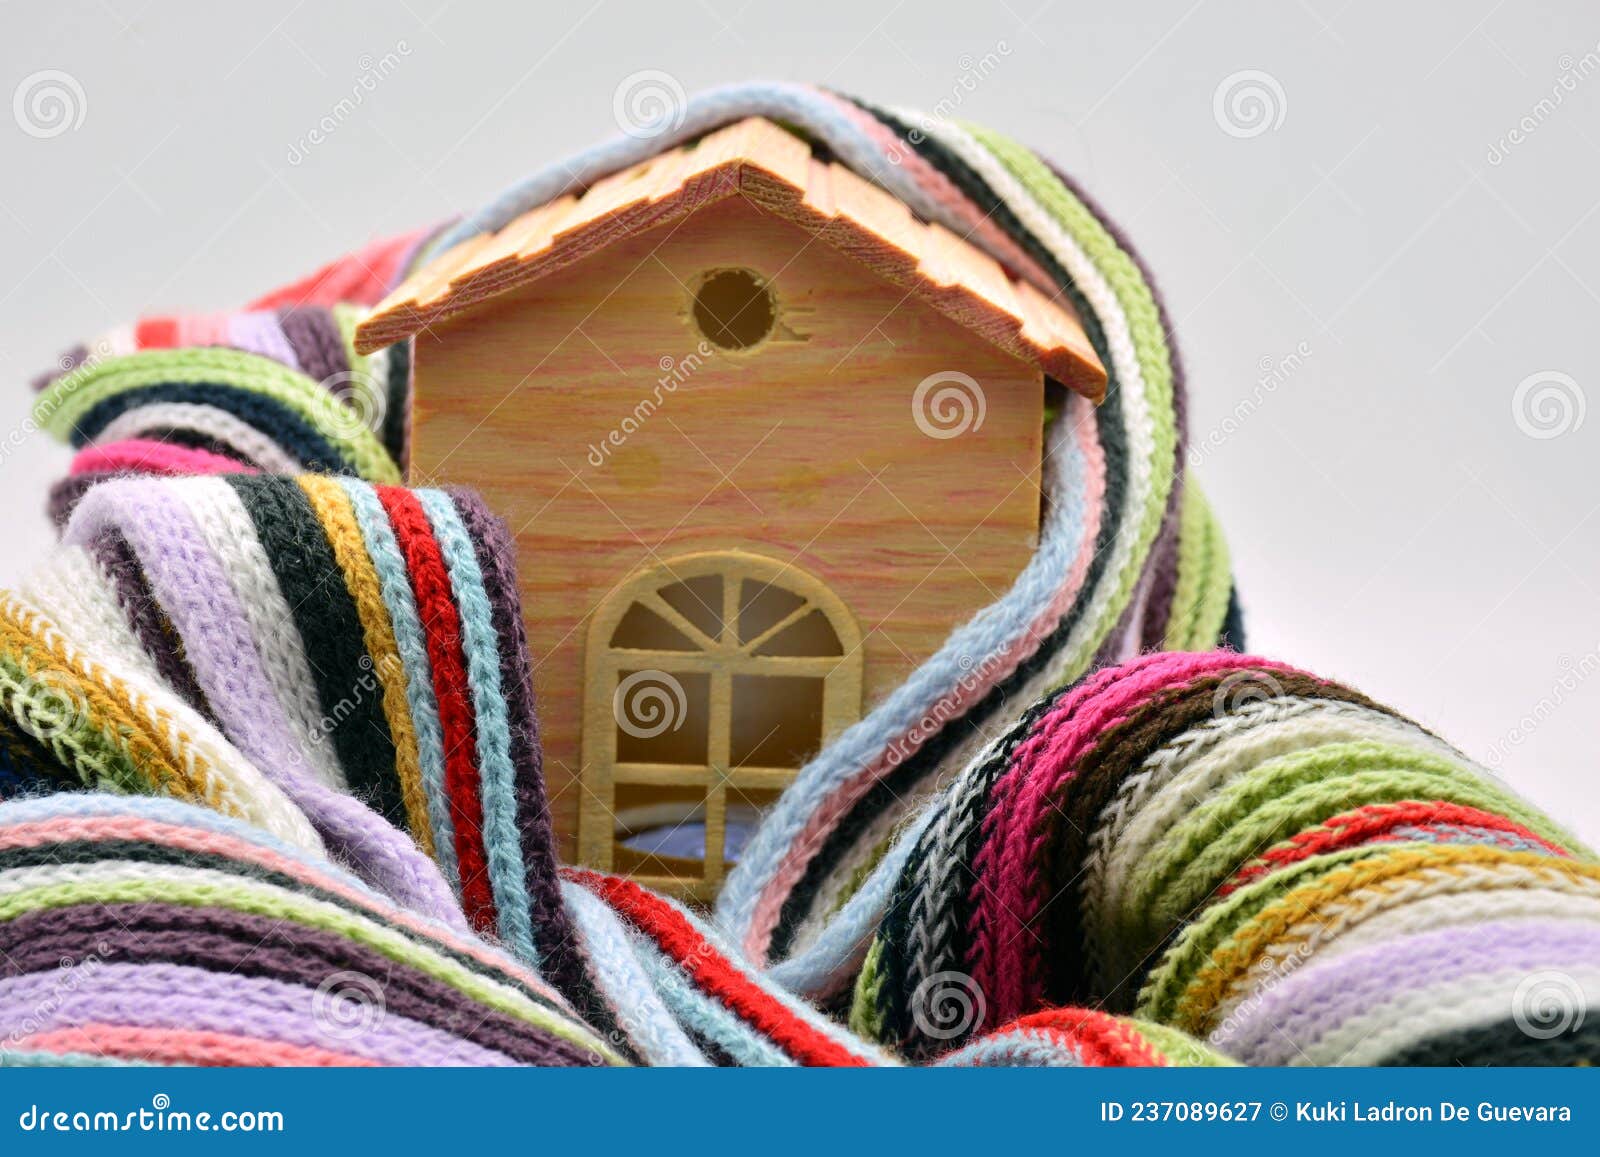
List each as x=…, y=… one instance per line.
x=148, y=456
x=184, y=1047
x=1011, y=866
x=769, y=906
x=981, y=230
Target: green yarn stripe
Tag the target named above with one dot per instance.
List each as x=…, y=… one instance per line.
x=275, y=904
x=70, y=397
x=1151, y=351
x=1205, y=577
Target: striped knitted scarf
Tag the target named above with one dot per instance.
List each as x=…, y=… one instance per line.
x=1129, y=557
x=1186, y=847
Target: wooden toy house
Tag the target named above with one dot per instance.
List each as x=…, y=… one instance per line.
x=764, y=439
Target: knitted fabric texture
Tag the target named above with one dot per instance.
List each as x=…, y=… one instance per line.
x=1025, y=854
x=1181, y=860
x=1129, y=556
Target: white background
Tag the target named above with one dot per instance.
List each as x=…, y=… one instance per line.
x=1393, y=523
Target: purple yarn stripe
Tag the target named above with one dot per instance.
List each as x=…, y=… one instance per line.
x=258, y=332
x=191, y=586
x=1317, y=998
x=178, y=997
x=316, y=340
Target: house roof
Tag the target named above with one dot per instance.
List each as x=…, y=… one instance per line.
x=777, y=171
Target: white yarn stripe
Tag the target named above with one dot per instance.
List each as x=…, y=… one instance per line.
x=216, y=424
x=231, y=534
x=237, y=787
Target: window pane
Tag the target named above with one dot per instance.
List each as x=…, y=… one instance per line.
x=662, y=716
x=641, y=629
x=700, y=601
x=777, y=720
x=813, y=635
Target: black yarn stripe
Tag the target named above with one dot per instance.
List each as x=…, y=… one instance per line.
x=348, y=688
x=145, y=852
x=1232, y=637
x=150, y=625
x=895, y=929
x=195, y=440
x=395, y=416
x=33, y=767
x=560, y=948
x=1503, y=1043
x=272, y=418
x=1113, y=442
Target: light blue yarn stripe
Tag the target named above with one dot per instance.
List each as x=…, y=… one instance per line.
x=706, y=1016
x=841, y=946
x=497, y=779
x=390, y=566
x=1015, y=1051
x=988, y=632
x=639, y=1011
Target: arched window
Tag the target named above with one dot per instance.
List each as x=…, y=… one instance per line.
x=711, y=679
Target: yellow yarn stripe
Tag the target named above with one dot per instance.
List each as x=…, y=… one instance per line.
x=1323, y=900
x=333, y=510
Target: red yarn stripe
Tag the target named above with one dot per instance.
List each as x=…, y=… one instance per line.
x=430, y=584
x=156, y=333
x=1102, y=1040
x=1371, y=822
x=712, y=971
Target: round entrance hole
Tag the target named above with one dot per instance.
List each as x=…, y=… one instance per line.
x=734, y=309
